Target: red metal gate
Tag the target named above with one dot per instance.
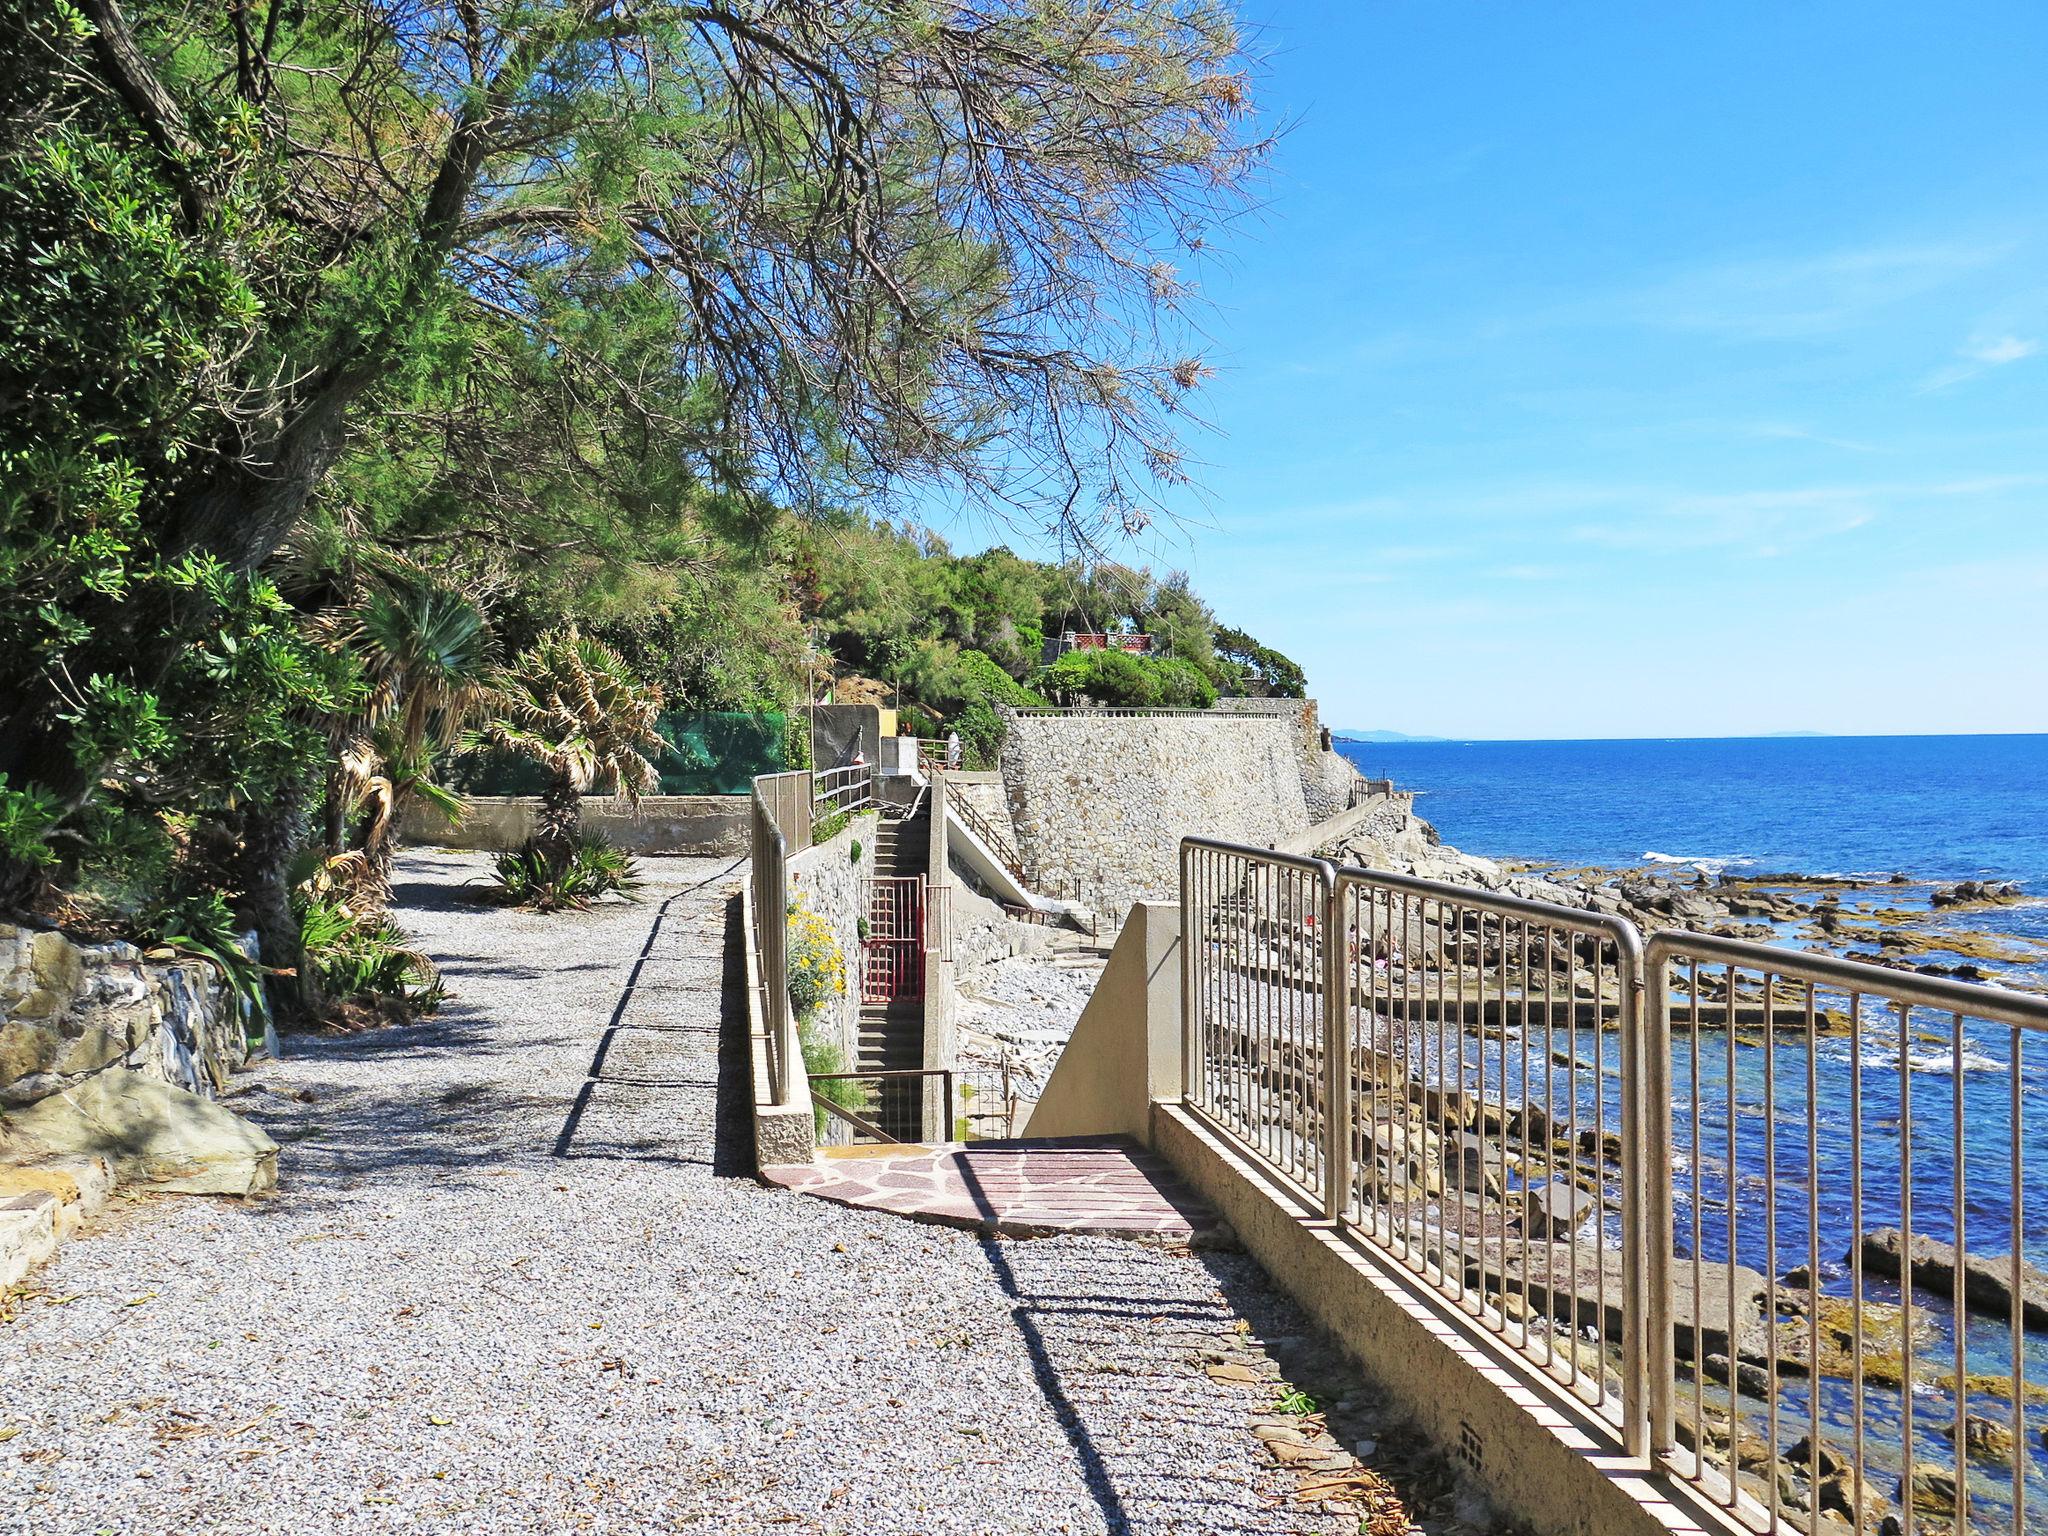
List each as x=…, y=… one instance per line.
x=892, y=953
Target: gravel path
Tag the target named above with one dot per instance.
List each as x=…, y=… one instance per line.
x=498, y=1295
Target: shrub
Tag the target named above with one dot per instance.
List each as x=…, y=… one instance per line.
x=981, y=736
x=1113, y=678
x=527, y=877
x=1181, y=684
x=359, y=955
x=817, y=971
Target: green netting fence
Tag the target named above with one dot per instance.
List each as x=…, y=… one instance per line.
x=709, y=752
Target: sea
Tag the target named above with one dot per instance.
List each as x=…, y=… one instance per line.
x=1936, y=809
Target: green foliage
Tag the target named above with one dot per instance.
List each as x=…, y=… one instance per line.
x=1259, y=670
x=824, y=1056
x=981, y=736
x=1122, y=680
x=1110, y=677
x=573, y=706
x=365, y=956
x=528, y=878
x=26, y=817
x=1295, y=1403
x=830, y=825
x=853, y=856
x=200, y=923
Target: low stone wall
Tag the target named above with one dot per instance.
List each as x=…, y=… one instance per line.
x=68, y=1011
x=705, y=825
x=1105, y=800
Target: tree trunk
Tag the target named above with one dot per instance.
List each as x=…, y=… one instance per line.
x=556, y=825
x=271, y=836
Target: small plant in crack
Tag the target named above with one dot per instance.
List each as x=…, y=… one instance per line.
x=1295, y=1403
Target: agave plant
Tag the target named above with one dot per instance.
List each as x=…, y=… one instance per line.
x=573, y=706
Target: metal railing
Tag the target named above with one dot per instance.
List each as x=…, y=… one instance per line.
x=1653, y=1170
x=841, y=790
x=848, y=1125
x=1489, y=1039
x=1816, y=1105
x=999, y=842
x=1094, y=711
x=769, y=872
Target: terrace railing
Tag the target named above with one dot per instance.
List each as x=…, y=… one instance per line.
x=1652, y=1169
x=1894, y=1140
x=842, y=790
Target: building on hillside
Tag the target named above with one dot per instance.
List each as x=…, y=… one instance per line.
x=1067, y=640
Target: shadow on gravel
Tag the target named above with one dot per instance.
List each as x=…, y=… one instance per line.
x=1415, y=1467
x=1094, y=1343
x=701, y=1102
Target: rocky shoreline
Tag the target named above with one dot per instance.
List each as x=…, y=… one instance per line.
x=1866, y=919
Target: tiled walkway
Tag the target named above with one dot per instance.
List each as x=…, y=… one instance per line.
x=1098, y=1184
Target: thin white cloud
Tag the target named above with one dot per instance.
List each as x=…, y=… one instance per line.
x=1779, y=296
x=1980, y=356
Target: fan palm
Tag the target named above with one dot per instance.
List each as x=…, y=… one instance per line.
x=423, y=651
x=573, y=706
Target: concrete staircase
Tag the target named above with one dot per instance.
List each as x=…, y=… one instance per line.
x=892, y=1034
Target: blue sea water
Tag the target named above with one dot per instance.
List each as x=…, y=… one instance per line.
x=1936, y=809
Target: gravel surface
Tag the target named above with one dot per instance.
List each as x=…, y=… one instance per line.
x=1025, y=1007
x=498, y=1293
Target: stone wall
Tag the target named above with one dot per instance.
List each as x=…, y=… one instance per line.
x=68, y=1011
x=1105, y=800
x=828, y=880
x=1326, y=776
x=705, y=825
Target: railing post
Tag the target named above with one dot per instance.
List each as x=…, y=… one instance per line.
x=1652, y=986
x=1190, y=1062
x=1336, y=1047
x=1639, y=1239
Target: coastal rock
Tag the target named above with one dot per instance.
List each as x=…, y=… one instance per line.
x=152, y=1133
x=1977, y=893
x=1557, y=1210
x=1987, y=1279
x=1985, y=1439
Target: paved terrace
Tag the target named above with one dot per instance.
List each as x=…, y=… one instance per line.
x=519, y=1281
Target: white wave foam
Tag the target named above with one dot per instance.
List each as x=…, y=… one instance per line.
x=1706, y=863
x=1943, y=1063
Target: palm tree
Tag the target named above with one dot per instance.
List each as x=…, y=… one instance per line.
x=573, y=706
x=423, y=652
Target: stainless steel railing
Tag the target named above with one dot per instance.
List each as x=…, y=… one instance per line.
x=1813, y=1100
x=1256, y=1053
x=768, y=870
x=1767, y=1212
x=1490, y=1042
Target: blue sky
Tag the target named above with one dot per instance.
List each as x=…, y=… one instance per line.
x=1609, y=370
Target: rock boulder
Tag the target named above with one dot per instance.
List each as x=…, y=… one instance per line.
x=151, y=1132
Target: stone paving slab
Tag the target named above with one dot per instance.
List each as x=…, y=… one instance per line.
x=1102, y=1185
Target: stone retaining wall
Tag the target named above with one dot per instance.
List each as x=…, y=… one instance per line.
x=1105, y=800
x=829, y=880
x=68, y=1011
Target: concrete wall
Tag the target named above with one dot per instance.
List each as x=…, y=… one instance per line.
x=1125, y=1051
x=1106, y=799
x=706, y=825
